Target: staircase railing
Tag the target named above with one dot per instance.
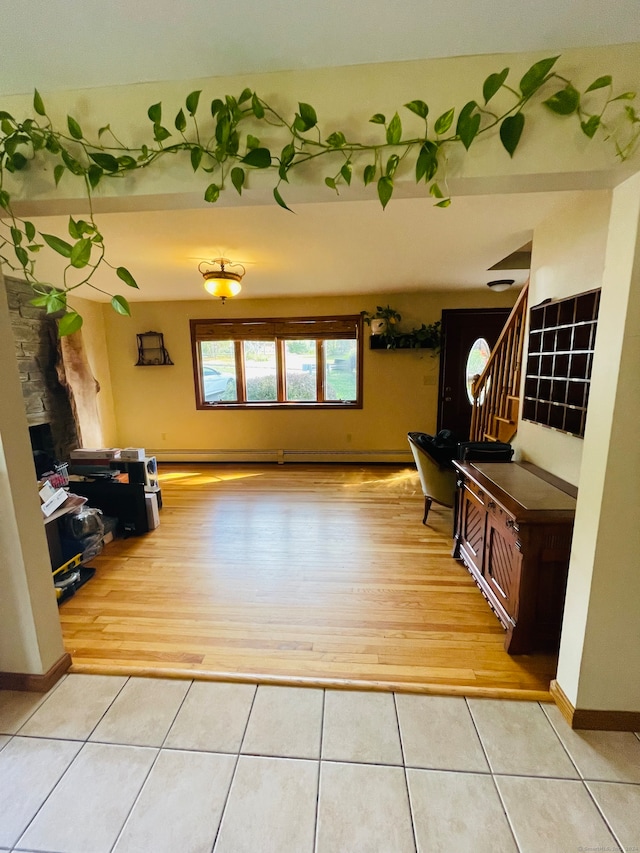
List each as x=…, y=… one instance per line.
x=496, y=391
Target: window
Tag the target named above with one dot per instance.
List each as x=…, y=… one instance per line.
x=476, y=363
x=293, y=362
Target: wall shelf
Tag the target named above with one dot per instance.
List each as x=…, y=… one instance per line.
x=562, y=336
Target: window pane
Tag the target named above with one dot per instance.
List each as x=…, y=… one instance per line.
x=341, y=374
x=476, y=361
x=218, y=370
x=260, y=371
x=300, y=367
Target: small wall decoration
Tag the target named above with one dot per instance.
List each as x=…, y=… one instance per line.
x=151, y=350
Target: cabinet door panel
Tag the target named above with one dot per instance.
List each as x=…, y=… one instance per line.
x=502, y=567
x=473, y=525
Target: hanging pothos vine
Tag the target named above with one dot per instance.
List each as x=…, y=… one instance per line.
x=227, y=151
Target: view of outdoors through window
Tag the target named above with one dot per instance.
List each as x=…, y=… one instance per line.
x=476, y=362
x=301, y=360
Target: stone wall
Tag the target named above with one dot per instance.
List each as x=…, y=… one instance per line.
x=45, y=399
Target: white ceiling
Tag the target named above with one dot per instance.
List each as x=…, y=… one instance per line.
x=334, y=247
x=58, y=44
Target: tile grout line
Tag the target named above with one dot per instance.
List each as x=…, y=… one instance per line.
x=315, y=829
x=55, y=785
x=562, y=743
x=406, y=778
x=153, y=764
x=493, y=778
x=39, y=705
x=604, y=817
x=235, y=768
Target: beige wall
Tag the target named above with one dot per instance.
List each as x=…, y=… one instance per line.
x=30, y=636
x=568, y=258
x=600, y=651
x=155, y=406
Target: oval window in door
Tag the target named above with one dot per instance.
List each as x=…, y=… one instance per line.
x=476, y=362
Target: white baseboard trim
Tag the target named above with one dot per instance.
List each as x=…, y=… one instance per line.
x=399, y=457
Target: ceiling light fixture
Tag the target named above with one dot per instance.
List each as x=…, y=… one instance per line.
x=220, y=281
x=501, y=284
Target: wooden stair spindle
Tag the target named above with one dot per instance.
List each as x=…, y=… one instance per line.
x=496, y=392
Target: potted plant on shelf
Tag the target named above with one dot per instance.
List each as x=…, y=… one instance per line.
x=384, y=321
x=385, y=333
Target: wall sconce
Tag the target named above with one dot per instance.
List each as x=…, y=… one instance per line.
x=220, y=281
x=151, y=350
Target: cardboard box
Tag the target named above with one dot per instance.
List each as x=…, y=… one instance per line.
x=153, y=517
x=95, y=453
x=56, y=500
x=132, y=454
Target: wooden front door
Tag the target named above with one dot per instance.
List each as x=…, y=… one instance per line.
x=460, y=329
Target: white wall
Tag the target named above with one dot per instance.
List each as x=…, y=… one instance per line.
x=568, y=258
x=600, y=651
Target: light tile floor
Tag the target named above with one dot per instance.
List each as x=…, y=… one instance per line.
x=135, y=765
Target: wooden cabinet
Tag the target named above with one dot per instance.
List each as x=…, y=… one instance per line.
x=512, y=529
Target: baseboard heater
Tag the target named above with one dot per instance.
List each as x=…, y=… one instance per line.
x=282, y=456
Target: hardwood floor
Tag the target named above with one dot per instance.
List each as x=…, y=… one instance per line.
x=312, y=574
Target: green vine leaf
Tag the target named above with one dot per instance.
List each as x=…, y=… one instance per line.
x=336, y=139
x=256, y=106
x=280, y=200
x=58, y=172
x=80, y=253
x=600, y=83
x=155, y=113
x=252, y=142
x=245, y=96
x=94, y=173
x=564, y=102
x=212, y=193
x=192, y=102
x=394, y=131
x=74, y=128
x=444, y=122
x=511, y=131
x=590, y=126
x=392, y=165
x=259, y=158
x=180, y=121
x=30, y=230
x=493, y=84
x=160, y=133
x=385, y=190
x=346, y=172
x=369, y=174
x=60, y=246
x=71, y=163
x=196, y=158
x=537, y=75
x=468, y=124
x=237, y=179
x=38, y=104
x=625, y=96
x=106, y=161
x=120, y=305
x=418, y=107
x=216, y=106
x=124, y=274
x=378, y=118
x=306, y=118
x=69, y=324
x=427, y=162
x=331, y=183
